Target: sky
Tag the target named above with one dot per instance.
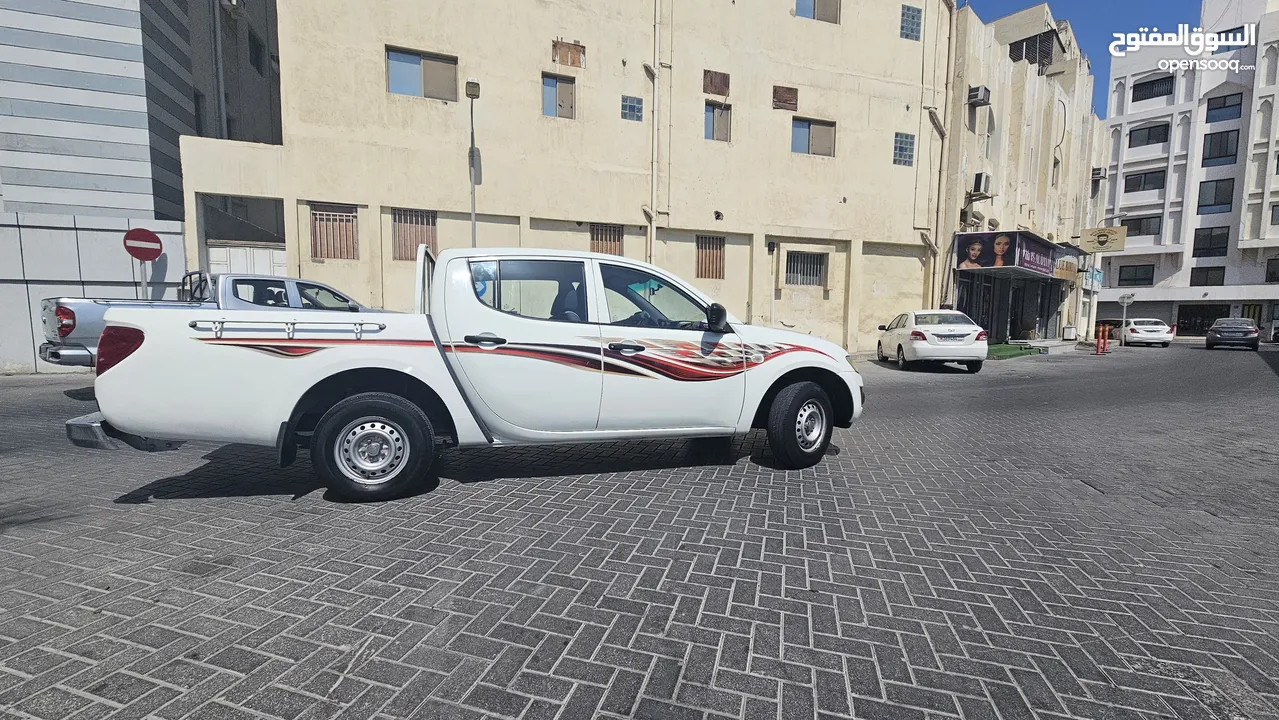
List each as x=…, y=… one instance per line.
x=1096, y=21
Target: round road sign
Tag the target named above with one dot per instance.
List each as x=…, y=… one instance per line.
x=143, y=244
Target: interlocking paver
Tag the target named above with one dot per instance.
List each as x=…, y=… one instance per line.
x=1059, y=537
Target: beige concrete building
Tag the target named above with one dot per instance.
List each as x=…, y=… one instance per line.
x=696, y=135
x=1023, y=144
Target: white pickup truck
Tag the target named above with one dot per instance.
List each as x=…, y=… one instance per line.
x=507, y=347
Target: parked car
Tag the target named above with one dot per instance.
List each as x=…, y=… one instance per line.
x=1146, y=331
x=508, y=347
x=1233, y=331
x=72, y=326
x=938, y=336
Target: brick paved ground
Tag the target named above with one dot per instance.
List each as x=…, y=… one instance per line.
x=1077, y=536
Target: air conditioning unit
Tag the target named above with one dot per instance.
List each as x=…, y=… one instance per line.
x=979, y=96
x=1099, y=173
x=981, y=184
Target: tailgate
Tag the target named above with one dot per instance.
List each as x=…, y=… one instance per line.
x=48, y=320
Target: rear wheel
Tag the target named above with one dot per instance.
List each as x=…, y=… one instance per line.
x=799, y=425
x=879, y=352
x=1164, y=344
x=974, y=367
x=372, y=446
x=902, y=363
x=1209, y=345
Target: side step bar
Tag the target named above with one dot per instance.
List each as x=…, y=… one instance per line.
x=92, y=431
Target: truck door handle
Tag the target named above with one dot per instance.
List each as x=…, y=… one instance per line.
x=625, y=347
x=485, y=339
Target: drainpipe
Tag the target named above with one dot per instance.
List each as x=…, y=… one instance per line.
x=944, y=171
x=217, y=61
x=656, y=117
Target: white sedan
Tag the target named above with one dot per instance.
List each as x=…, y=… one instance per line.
x=939, y=336
x=1145, y=331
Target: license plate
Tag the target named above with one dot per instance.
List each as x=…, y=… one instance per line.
x=1232, y=334
x=951, y=338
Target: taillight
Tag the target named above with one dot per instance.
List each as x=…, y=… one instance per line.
x=1132, y=330
x=116, y=344
x=982, y=335
x=917, y=335
x=1253, y=331
x=66, y=320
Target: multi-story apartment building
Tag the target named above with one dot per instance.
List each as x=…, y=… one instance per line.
x=93, y=99
x=1023, y=136
x=780, y=155
x=1192, y=176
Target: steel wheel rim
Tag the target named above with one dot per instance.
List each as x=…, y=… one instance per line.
x=371, y=450
x=810, y=425
x=901, y=358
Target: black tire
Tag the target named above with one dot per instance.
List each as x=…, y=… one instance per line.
x=387, y=423
x=879, y=353
x=1209, y=346
x=974, y=367
x=785, y=424
x=902, y=363
x=1164, y=344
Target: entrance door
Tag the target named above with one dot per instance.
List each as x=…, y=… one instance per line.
x=1196, y=319
x=1253, y=311
x=521, y=332
x=663, y=368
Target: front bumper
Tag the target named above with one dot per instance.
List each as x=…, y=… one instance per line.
x=857, y=391
x=946, y=353
x=69, y=355
x=92, y=431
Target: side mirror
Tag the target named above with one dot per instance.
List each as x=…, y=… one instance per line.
x=883, y=327
x=352, y=306
x=717, y=318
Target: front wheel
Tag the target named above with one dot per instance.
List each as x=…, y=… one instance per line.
x=372, y=446
x=974, y=367
x=799, y=425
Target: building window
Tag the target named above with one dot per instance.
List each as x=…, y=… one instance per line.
x=710, y=257
x=421, y=75
x=903, y=149
x=824, y=10
x=1152, y=89
x=811, y=137
x=199, y=113
x=257, y=53
x=1272, y=270
x=785, y=98
x=805, y=268
x=1212, y=242
x=559, y=96
x=1152, y=135
x=1221, y=148
x=1136, y=275
x=715, y=82
x=1143, y=225
x=411, y=228
x=1138, y=182
x=1274, y=214
x=912, y=22
x=1057, y=171
x=1216, y=196
x=606, y=239
x=334, y=232
x=719, y=121
x=1226, y=107
x=1228, y=48
x=1206, y=276
x=632, y=108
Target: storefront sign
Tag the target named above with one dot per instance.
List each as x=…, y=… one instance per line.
x=1092, y=281
x=1033, y=257
x=978, y=251
x=1105, y=239
x=1067, y=266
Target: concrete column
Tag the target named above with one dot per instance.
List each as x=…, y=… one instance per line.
x=854, y=281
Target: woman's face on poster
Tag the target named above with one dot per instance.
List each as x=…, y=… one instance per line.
x=974, y=251
x=1001, y=245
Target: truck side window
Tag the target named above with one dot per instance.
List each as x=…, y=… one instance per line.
x=537, y=289
x=639, y=299
x=268, y=293
x=316, y=297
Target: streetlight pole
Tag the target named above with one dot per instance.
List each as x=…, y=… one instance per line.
x=472, y=154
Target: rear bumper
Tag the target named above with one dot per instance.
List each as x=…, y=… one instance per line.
x=1253, y=341
x=1151, y=338
x=946, y=353
x=70, y=355
x=92, y=431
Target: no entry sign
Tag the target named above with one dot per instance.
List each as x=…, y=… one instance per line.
x=143, y=244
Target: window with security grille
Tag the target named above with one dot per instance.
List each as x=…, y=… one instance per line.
x=1216, y=196
x=632, y=108
x=606, y=239
x=903, y=149
x=912, y=22
x=411, y=228
x=1152, y=89
x=710, y=257
x=806, y=268
x=1212, y=242
x=334, y=232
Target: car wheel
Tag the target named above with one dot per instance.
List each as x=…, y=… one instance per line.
x=799, y=425
x=1164, y=344
x=974, y=367
x=879, y=352
x=902, y=363
x=1209, y=346
x=372, y=446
